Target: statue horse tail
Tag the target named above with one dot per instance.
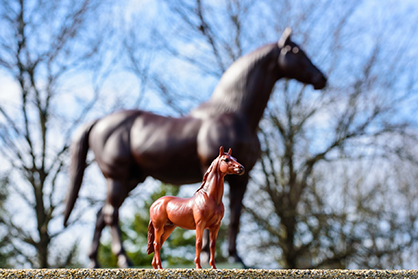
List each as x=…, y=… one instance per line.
x=78, y=153
x=150, y=247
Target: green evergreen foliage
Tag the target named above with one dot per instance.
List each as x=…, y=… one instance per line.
x=6, y=250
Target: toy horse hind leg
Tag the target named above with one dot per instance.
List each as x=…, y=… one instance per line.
x=155, y=244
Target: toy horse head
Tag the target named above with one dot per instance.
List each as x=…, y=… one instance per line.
x=228, y=164
x=294, y=63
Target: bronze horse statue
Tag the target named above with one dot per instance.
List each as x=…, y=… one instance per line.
x=132, y=145
x=204, y=210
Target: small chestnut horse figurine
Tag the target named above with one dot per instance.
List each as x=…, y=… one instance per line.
x=204, y=210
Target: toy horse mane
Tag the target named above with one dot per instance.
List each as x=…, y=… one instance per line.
x=205, y=177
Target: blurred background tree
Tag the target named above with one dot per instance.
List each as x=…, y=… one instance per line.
x=336, y=184
x=42, y=47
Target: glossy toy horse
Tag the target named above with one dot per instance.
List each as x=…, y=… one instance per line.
x=132, y=145
x=204, y=210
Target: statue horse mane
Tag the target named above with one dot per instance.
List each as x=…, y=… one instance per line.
x=231, y=93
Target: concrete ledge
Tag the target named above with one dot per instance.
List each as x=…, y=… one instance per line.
x=203, y=273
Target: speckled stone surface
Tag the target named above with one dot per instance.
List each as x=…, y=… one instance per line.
x=203, y=273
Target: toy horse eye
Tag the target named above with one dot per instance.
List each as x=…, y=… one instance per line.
x=226, y=160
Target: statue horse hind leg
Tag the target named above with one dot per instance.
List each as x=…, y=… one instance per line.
x=122, y=175
x=113, y=155
x=108, y=215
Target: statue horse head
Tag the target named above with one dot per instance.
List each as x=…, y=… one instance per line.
x=294, y=63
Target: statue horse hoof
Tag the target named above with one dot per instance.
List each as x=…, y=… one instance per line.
x=93, y=264
x=124, y=262
x=235, y=259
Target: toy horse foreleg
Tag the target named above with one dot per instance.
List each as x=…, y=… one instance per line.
x=213, y=233
x=200, y=227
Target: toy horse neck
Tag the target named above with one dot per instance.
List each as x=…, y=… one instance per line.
x=213, y=182
x=246, y=86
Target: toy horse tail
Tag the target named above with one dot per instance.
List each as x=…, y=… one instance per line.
x=78, y=153
x=150, y=247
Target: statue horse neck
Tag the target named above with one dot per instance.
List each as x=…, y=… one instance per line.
x=245, y=87
x=213, y=182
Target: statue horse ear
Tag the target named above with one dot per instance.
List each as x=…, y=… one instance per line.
x=230, y=151
x=285, y=38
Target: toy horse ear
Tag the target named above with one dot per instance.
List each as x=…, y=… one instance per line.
x=230, y=151
x=221, y=150
x=285, y=37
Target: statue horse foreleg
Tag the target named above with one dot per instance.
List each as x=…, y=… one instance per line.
x=205, y=254
x=237, y=185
